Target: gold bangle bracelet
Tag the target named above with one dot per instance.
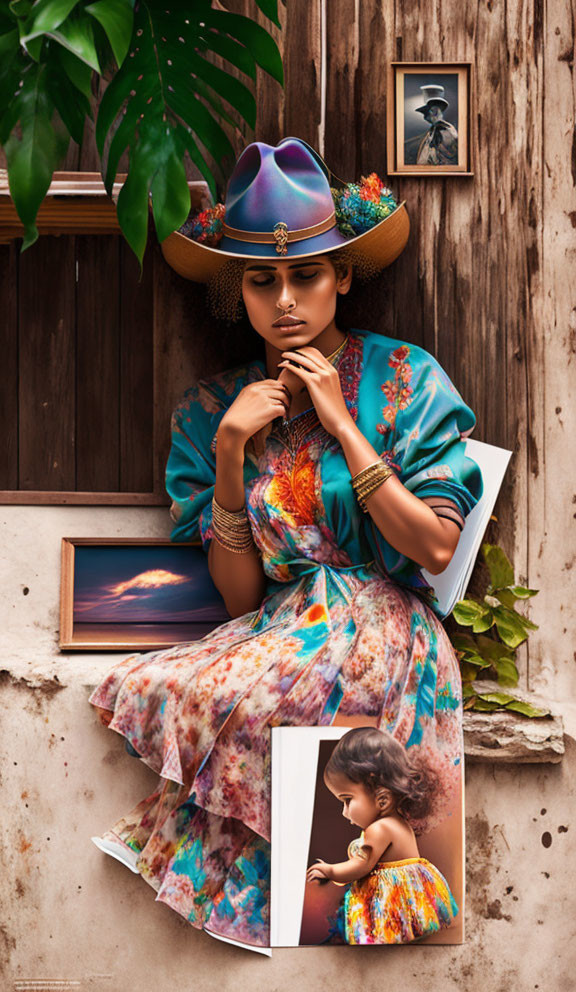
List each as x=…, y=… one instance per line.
x=368, y=480
x=231, y=529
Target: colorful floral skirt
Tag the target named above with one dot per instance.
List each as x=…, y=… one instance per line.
x=337, y=640
x=399, y=901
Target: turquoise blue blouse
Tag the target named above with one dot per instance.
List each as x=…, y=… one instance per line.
x=300, y=500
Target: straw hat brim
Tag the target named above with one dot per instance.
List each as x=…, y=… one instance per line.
x=381, y=245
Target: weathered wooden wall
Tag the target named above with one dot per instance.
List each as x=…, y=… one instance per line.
x=485, y=280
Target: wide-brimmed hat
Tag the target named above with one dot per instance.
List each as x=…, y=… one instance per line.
x=432, y=93
x=279, y=204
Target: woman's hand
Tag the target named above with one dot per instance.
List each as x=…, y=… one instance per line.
x=320, y=871
x=321, y=379
x=255, y=406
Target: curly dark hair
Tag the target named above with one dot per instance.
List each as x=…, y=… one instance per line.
x=377, y=760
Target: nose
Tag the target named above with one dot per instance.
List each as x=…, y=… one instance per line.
x=285, y=299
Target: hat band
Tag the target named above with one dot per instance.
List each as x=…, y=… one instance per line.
x=280, y=235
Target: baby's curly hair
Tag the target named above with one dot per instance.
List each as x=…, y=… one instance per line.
x=377, y=760
x=225, y=288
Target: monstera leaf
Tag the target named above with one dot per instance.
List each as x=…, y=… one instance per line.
x=171, y=92
x=166, y=99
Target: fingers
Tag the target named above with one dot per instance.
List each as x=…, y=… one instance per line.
x=308, y=361
x=302, y=374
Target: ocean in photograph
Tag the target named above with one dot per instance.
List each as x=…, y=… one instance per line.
x=140, y=634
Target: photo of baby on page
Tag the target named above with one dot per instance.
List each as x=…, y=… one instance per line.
x=393, y=894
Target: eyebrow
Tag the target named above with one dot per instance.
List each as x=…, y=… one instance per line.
x=296, y=265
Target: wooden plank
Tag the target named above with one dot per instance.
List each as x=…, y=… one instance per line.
x=22, y=497
x=551, y=370
x=342, y=104
x=97, y=359
x=270, y=96
x=9, y=366
x=47, y=348
x=136, y=371
x=302, y=68
x=181, y=324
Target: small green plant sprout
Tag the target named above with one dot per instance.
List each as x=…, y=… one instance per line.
x=489, y=651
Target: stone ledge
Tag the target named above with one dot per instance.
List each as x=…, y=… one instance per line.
x=500, y=737
x=505, y=737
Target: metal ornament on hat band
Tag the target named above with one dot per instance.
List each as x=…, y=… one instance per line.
x=280, y=233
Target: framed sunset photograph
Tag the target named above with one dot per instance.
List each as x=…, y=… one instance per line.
x=135, y=594
x=428, y=114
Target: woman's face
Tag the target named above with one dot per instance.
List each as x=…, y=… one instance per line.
x=360, y=805
x=291, y=302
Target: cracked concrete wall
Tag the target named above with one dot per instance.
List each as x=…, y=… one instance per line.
x=70, y=913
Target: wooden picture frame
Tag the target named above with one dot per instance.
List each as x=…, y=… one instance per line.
x=156, y=595
x=428, y=119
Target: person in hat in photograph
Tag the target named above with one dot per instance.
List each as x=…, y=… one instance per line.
x=320, y=479
x=439, y=146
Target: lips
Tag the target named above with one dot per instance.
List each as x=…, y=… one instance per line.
x=287, y=321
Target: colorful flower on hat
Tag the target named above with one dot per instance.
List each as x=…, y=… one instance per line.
x=206, y=227
x=359, y=206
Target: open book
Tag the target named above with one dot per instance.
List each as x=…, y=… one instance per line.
x=308, y=823
x=451, y=584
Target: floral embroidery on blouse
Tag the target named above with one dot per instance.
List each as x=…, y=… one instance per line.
x=397, y=391
x=292, y=489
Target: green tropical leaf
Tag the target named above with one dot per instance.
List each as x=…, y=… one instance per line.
x=9, y=45
x=483, y=623
x=466, y=611
x=78, y=72
x=233, y=52
x=483, y=705
x=270, y=9
x=489, y=648
x=464, y=642
x=71, y=104
x=45, y=17
x=117, y=18
x=33, y=157
x=124, y=134
x=13, y=64
x=512, y=627
x=132, y=205
x=187, y=139
x=499, y=566
x=506, y=672
x=518, y=706
x=259, y=43
x=20, y=9
x=506, y=597
x=470, y=703
x=168, y=98
x=521, y=592
x=77, y=35
x=501, y=698
x=169, y=189
x=468, y=672
x=165, y=78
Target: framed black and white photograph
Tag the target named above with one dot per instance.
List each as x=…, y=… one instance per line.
x=135, y=594
x=429, y=118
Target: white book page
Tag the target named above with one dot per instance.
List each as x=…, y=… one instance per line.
x=294, y=770
x=451, y=584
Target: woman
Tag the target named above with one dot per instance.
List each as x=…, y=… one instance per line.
x=319, y=481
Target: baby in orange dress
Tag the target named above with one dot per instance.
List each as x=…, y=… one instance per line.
x=395, y=896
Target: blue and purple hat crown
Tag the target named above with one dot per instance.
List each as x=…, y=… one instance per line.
x=279, y=204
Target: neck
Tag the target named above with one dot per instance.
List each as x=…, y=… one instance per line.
x=326, y=342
